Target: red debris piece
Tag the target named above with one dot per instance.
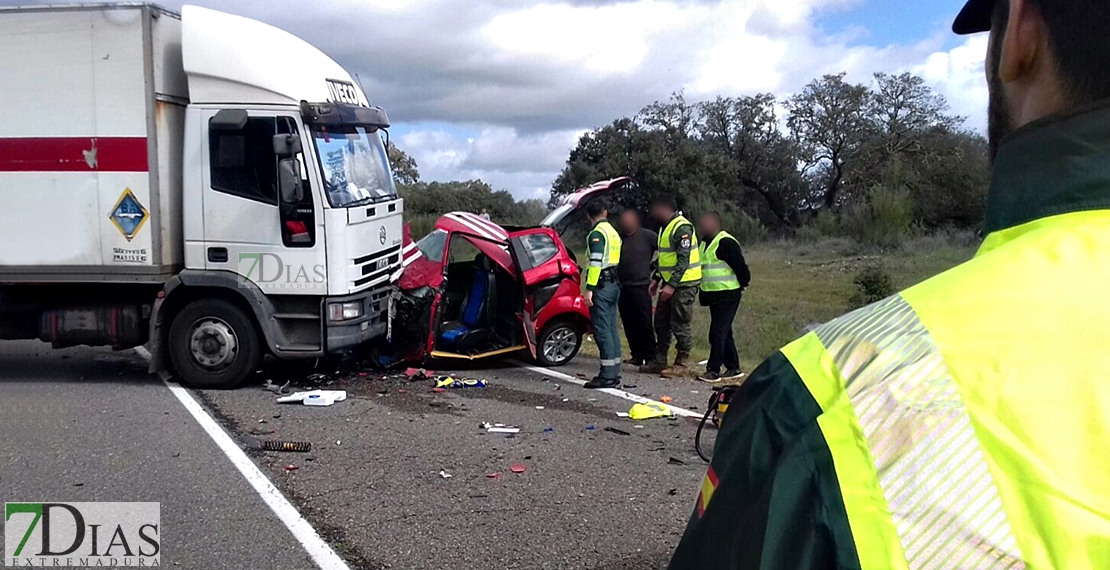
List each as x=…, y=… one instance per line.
x=494, y=475
x=666, y=399
x=364, y=374
x=438, y=390
x=517, y=468
x=291, y=467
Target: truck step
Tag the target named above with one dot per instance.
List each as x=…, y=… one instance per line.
x=297, y=316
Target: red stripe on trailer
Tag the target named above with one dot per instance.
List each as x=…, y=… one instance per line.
x=74, y=154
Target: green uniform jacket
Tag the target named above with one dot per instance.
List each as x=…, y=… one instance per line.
x=963, y=423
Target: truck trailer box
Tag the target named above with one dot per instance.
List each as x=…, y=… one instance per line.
x=92, y=110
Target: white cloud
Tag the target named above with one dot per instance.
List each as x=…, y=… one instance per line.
x=519, y=79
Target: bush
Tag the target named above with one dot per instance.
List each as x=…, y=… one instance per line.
x=883, y=220
x=749, y=230
x=873, y=284
x=808, y=234
x=827, y=224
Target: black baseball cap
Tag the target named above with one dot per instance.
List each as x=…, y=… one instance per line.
x=974, y=18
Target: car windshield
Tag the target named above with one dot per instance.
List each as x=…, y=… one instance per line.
x=356, y=169
x=432, y=245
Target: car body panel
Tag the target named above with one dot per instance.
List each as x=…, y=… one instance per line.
x=571, y=204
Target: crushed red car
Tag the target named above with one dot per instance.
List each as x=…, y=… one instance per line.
x=473, y=289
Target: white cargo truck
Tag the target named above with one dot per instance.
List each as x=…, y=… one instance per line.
x=204, y=184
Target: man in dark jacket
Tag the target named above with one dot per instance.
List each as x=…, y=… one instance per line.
x=724, y=276
x=637, y=266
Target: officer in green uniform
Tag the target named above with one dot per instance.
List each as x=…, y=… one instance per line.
x=679, y=276
x=963, y=422
x=603, y=293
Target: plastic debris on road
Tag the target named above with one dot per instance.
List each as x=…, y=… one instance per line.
x=590, y=427
x=616, y=431
x=315, y=397
x=444, y=474
x=675, y=461
x=666, y=399
x=452, y=382
x=548, y=430
x=622, y=414
x=649, y=411
x=291, y=467
x=499, y=428
x=518, y=468
x=279, y=390
x=494, y=475
x=539, y=407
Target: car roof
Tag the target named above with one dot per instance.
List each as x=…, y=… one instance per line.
x=474, y=225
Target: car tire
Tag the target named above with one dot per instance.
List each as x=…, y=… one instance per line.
x=558, y=343
x=214, y=344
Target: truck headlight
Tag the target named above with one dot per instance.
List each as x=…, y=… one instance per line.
x=345, y=311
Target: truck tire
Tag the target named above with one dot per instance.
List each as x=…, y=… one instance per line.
x=214, y=344
x=558, y=343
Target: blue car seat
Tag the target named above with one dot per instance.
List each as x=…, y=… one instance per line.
x=471, y=328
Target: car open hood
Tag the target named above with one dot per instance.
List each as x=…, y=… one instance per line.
x=571, y=205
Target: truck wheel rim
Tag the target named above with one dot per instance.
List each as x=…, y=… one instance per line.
x=560, y=345
x=213, y=343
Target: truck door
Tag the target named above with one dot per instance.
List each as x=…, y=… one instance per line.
x=249, y=228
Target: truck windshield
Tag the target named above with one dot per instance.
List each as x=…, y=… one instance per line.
x=356, y=169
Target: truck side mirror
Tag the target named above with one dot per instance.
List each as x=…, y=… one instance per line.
x=287, y=145
x=289, y=181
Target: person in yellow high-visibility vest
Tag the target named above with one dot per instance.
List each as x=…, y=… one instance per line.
x=724, y=275
x=679, y=275
x=603, y=291
x=965, y=422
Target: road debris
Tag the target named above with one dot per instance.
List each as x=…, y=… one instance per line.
x=452, y=382
x=666, y=399
x=444, y=474
x=548, y=429
x=499, y=428
x=649, y=411
x=590, y=427
x=279, y=390
x=517, y=468
x=494, y=475
x=288, y=446
x=291, y=467
x=539, y=407
x=315, y=397
x=675, y=461
x=616, y=431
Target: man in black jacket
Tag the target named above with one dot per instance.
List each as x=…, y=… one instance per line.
x=637, y=266
x=724, y=276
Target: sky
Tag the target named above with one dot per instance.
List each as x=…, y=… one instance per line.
x=502, y=89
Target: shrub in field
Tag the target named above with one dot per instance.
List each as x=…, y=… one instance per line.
x=748, y=230
x=827, y=224
x=873, y=284
x=883, y=220
x=808, y=234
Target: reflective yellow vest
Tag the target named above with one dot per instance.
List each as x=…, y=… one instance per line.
x=716, y=275
x=963, y=423
x=609, y=258
x=668, y=254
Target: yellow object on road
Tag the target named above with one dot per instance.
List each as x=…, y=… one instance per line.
x=649, y=411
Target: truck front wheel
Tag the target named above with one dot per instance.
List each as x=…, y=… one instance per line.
x=214, y=344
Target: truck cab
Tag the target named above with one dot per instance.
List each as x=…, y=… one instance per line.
x=220, y=187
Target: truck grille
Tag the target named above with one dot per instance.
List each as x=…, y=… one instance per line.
x=377, y=265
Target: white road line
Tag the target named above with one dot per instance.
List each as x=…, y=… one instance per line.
x=611, y=391
x=320, y=551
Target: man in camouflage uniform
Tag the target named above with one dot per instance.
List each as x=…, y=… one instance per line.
x=678, y=281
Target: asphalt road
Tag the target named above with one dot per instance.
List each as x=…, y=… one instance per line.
x=372, y=484
x=91, y=425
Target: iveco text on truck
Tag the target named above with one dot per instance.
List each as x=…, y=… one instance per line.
x=205, y=183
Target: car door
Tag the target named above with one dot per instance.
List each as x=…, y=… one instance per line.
x=542, y=266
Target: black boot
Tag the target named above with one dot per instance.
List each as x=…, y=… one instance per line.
x=599, y=382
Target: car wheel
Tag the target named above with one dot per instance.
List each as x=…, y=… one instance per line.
x=558, y=343
x=214, y=344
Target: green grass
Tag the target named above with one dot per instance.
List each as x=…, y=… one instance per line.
x=795, y=285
